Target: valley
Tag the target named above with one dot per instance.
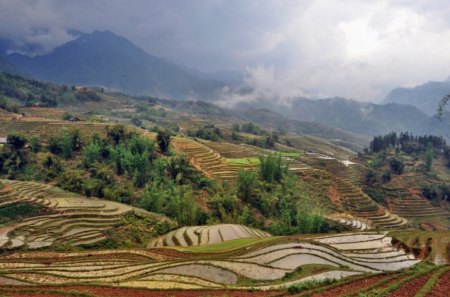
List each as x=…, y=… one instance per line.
x=195, y=148
x=228, y=208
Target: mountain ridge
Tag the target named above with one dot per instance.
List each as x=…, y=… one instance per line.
x=105, y=59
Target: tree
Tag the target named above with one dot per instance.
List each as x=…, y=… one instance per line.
x=271, y=168
x=69, y=142
x=67, y=116
x=163, y=140
x=429, y=158
x=91, y=153
x=116, y=134
x=441, y=106
x=16, y=141
x=396, y=165
x=35, y=146
x=246, y=184
x=270, y=141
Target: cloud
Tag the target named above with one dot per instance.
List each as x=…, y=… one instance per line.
x=262, y=83
x=351, y=48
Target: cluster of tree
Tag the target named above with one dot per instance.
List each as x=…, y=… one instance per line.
x=149, y=113
x=436, y=192
x=407, y=143
x=208, y=132
x=6, y=105
x=122, y=166
x=45, y=94
x=281, y=197
x=250, y=128
x=13, y=155
x=264, y=142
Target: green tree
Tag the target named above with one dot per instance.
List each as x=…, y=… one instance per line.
x=396, y=165
x=35, y=145
x=271, y=168
x=246, y=185
x=91, y=153
x=67, y=116
x=429, y=154
x=16, y=141
x=163, y=140
x=116, y=134
x=441, y=106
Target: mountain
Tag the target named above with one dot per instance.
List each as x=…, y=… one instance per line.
x=111, y=61
x=6, y=66
x=425, y=97
x=362, y=118
x=358, y=117
x=5, y=45
x=274, y=121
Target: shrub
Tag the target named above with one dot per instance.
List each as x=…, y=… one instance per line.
x=246, y=183
x=163, y=140
x=16, y=141
x=271, y=168
x=396, y=165
x=430, y=191
x=67, y=116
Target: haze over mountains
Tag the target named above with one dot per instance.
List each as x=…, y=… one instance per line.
x=105, y=59
x=425, y=97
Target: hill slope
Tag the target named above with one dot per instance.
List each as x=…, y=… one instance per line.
x=363, y=118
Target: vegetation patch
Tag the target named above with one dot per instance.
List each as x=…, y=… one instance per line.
x=15, y=212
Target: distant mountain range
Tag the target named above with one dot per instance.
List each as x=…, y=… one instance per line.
x=111, y=61
x=425, y=97
x=362, y=118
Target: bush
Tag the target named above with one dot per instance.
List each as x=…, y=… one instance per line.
x=431, y=192
x=271, y=168
x=16, y=141
x=67, y=116
x=396, y=165
x=163, y=140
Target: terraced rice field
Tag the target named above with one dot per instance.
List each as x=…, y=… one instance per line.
x=46, y=128
x=202, y=235
x=76, y=219
x=411, y=205
x=345, y=169
x=263, y=266
x=350, y=199
x=222, y=160
x=205, y=159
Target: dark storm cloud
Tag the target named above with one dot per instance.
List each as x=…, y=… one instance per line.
x=353, y=48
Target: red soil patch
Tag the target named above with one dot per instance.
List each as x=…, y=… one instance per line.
x=7, y=188
x=441, y=288
x=414, y=191
x=334, y=196
x=29, y=294
x=352, y=286
x=427, y=226
x=120, y=292
x=412, y=287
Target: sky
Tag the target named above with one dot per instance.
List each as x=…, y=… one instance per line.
x=357, y=49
